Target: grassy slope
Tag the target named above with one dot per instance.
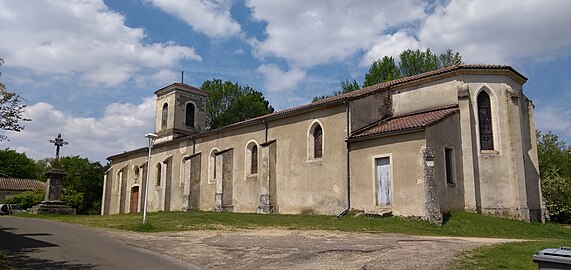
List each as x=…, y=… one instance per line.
x=505, y=256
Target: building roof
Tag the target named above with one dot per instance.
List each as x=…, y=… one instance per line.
x=357, y=94
x=385, y=86
x=21, y=184
x=406, y=122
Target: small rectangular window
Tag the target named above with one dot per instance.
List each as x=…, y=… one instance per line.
x=449, y=159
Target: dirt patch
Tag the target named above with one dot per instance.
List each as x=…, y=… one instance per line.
x=288, y=249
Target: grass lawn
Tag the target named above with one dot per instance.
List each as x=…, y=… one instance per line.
x=504, y=256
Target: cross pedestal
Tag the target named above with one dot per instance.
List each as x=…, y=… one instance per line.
x=52, y=204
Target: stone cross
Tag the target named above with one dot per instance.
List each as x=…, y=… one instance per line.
x=58, y=142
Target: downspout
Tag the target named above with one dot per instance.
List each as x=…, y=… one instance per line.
x=348, y=164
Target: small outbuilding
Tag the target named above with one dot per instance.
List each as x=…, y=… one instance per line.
x=11, y=186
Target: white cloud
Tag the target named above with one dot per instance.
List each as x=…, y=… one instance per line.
x=491, y=31
x=121, y=128
x=390, y=45
x=209, y=17
x=309, y=33
x=82, y=38
x=548, y=118
x=276, y=80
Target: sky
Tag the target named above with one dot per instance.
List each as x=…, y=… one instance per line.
x=88, y=69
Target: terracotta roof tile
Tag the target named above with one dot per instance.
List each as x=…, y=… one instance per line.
x=375, y=88
x=20, y=184
x=348, y=96
x=402, y=123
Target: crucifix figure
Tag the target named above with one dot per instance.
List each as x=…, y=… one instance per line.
x=58, y=142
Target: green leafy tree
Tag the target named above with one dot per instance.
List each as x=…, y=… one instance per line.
x=11, y=110
x=555, y=171
x=82, y=184
x=411, y=63
x=416, y=62
x=18, y=165
x=346, y=87
x=382, y=70
x=27, y=199
x=449, y=58
x=230, y=103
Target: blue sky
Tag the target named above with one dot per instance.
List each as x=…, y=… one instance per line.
x=88, y=69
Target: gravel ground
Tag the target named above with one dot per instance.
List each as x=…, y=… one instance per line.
x=289, y=249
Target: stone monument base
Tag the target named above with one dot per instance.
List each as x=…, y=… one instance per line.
x=52, y=208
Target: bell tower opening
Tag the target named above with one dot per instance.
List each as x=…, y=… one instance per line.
x=180, y=111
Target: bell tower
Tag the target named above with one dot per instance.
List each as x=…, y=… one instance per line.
x=180, y=111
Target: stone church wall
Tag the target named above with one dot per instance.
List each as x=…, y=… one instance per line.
x=446, y=134
x=405, y=153
x=305, y=184
x=428, y=96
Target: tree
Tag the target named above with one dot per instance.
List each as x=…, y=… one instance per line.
x=346, y=87
x=11, y=110
x=411, y=63
x=382, y=70
x=18, y=165
x=230, y=103
x=416, y=62
x=449, y=58
x=555, y=171
x=82, y=184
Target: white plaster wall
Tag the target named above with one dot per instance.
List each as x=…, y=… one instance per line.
x=424, y=97
x=446, y=134
x=405, y=152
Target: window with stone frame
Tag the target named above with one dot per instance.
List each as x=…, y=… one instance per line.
x=190, y=108
x=317, y=142
x=485, y=121
x=165, y=115
x=254, y=160
x=449, y=165
x=212, y=166
x=159, y=174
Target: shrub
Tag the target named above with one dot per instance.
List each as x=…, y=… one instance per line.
x=27, y=199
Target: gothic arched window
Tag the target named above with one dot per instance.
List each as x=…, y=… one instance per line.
x=317, y=142
x=254, y=161
x=165, y=115
x=190, y=114
x=485, y=121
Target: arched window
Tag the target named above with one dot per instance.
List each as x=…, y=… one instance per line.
x=254, y=162
x=485, y=121
x=317, y=142
x=212, y=166
x=159, y=174
x=190, y=114
x=165, y=115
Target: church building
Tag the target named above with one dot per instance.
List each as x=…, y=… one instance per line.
x=457, y=138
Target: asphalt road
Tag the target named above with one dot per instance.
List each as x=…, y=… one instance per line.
x=40, y=244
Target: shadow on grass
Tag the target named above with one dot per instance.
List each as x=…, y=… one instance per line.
x=446, y=217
